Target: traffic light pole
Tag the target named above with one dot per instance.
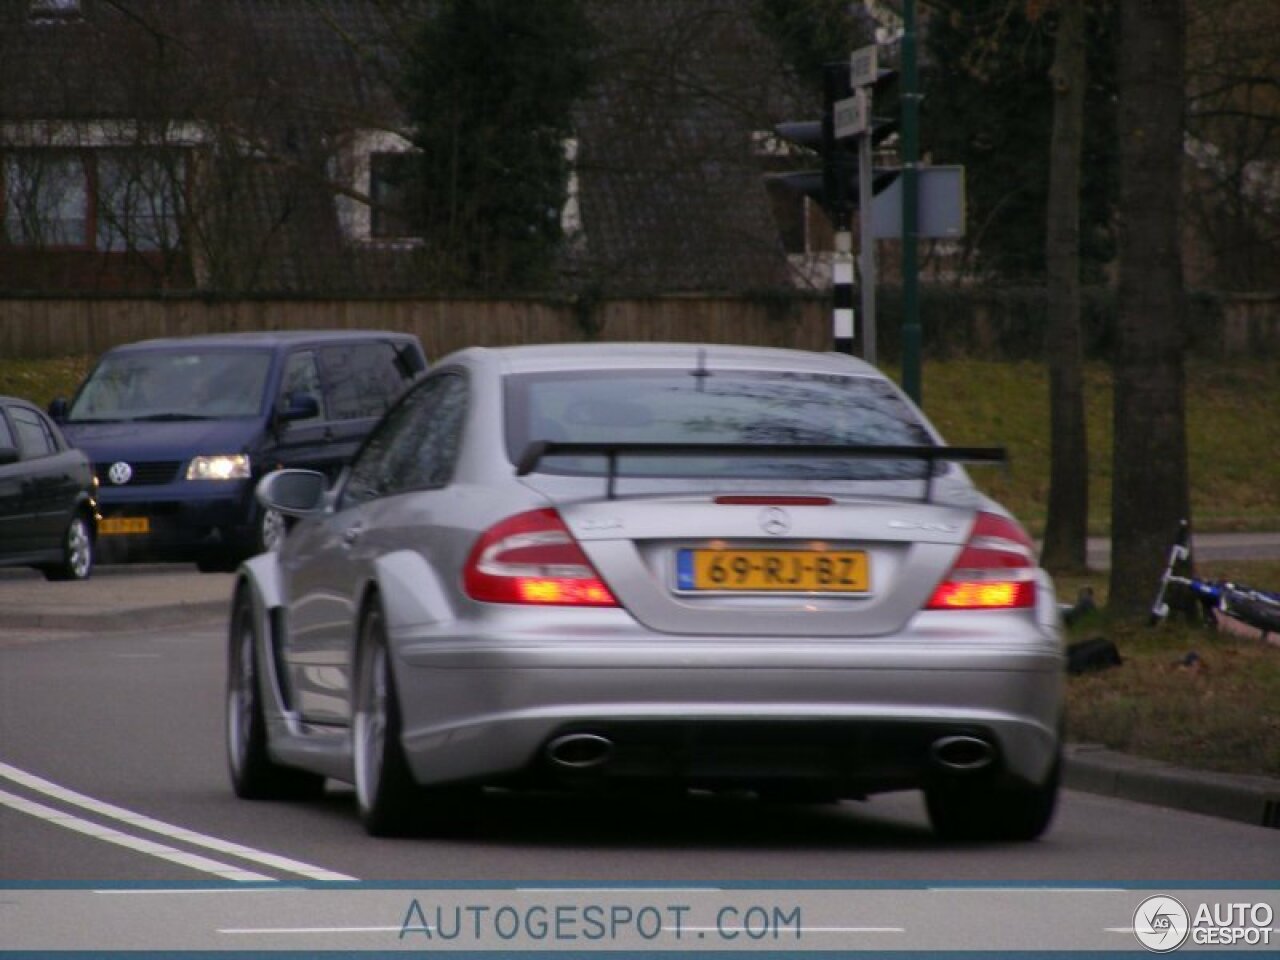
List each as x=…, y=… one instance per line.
x=842, y=284
x=839, y=205
x=840, y=188
x=867, y=254
x=911, y=333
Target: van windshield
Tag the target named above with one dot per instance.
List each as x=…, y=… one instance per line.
x=174, y=385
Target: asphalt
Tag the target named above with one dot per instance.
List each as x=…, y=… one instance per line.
x=143, y=597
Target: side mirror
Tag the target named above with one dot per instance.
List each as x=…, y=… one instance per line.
x=8, y=455
x=295, y=493
x=297, y=406
x=58, y=409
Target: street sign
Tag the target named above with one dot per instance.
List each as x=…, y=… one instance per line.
x=850, y=115
x=940, y=213
x=863, y=66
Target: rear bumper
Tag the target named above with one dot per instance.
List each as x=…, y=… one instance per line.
x=863, y=716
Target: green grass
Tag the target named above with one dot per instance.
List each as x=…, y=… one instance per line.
x=42, y=380
x=1233, y=427
x=1224, y=715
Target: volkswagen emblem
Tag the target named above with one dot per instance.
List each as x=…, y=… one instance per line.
x=120, y=473
x=774, y=521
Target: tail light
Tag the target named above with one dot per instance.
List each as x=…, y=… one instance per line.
x=533, y=558
x=995, y=570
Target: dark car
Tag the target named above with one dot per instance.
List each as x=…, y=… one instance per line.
x=181, y=429
x=48, y=518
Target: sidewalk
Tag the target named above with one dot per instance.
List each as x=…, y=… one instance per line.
x=1207, y=547
x=114, y=598
x=143, y=597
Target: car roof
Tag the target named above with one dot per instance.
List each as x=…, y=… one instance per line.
x=265, y=338
x=536, y=358
x=5, y=398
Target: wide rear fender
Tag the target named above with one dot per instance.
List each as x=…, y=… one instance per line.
x=411, y=591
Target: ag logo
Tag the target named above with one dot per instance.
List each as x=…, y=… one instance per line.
x=1161, y=924
x=120, y=473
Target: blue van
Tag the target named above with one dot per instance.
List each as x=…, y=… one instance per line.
x=180, y=430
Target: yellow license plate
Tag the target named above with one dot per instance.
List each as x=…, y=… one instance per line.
x=808, y=571
x=109, y=526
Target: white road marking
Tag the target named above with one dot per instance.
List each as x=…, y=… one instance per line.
x=140, y=821
x=102, y=832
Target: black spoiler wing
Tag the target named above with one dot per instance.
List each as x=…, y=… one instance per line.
x=536, y=451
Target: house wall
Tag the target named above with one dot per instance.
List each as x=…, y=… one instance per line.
x=1007, y=324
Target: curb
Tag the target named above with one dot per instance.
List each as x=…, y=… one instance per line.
x=1247, y=799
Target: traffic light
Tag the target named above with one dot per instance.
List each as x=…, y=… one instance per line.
x=835, y=186
x=832, y=186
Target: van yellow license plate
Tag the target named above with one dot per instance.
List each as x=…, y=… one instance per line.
x=774, y=571
x=110, y=526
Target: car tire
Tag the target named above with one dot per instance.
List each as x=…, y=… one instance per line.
x=254, y=775
x=982, y=811
x=77, y=552
x=218, y=561
x=385, y=788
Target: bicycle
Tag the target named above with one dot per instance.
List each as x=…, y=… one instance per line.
x=1259, y=609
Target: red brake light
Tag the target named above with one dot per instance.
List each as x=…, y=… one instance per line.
x=533, y=558
x=768, y=501
x=995, y=570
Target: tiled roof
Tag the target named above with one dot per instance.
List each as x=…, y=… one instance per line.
x=671, y=193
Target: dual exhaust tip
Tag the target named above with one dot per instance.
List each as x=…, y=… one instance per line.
x=963, y=754
x=580, y=751
x=585, y=751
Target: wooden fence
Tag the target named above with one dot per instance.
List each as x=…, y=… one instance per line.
x=999, y=324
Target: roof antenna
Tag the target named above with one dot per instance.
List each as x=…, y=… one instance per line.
x=701, y=372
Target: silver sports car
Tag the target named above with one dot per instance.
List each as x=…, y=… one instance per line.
x=597, y=566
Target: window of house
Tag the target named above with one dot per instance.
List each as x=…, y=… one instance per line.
x=109, y=200
x=391, y=194
x=138, y=200
x=46, y=199
x=53, y=9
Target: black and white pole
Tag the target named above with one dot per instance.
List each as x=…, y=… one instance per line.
x=842, y=289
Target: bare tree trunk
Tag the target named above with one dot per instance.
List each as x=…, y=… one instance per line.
x=1149, y=489
x=1067, y=526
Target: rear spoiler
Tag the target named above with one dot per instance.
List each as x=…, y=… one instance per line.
x=536, y=451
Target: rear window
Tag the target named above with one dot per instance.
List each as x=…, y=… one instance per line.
x=713, y=407
x=195, y=384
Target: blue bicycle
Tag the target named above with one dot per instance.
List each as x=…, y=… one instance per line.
x=1257, y=608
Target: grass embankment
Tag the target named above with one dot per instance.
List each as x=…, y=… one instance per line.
x=1186, y=693
x=42, y=380
x=1222, y=714
x=1233, y=431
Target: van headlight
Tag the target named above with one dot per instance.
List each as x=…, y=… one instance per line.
x=231, y=466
